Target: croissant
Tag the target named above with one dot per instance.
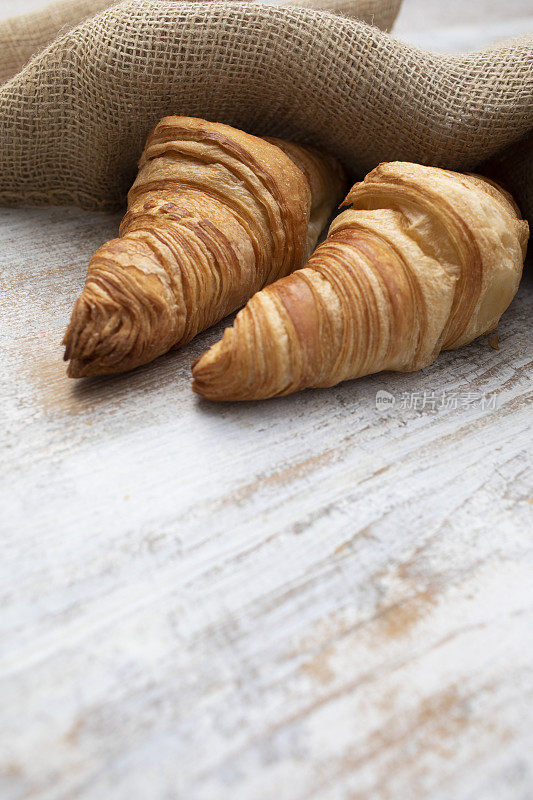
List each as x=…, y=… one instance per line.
x=424, y=260
x=213, y=215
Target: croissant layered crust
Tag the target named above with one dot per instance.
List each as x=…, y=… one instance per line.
x=423, y=260
x=214, y=215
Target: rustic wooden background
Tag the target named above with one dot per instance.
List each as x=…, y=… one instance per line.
x=305, y=598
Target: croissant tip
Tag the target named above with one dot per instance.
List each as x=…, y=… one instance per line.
x=217, y=373
x=208, y=373
x=197, y=369
x=93, y=341
x=195, y=362
x=75, y=369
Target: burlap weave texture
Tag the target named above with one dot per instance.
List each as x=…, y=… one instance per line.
x=24, y=36
x=73, y=121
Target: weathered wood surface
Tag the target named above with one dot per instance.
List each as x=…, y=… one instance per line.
x=455, y=25
x=309, y=597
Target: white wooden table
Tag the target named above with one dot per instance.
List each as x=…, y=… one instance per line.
x=305, y=598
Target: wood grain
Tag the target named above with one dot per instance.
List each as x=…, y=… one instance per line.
x=307, y=597
x=304, y=598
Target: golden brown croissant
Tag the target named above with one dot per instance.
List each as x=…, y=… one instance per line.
x=425, y=260
x=214, y=215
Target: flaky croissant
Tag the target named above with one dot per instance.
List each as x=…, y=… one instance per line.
x=213, y=216
x=424, y=260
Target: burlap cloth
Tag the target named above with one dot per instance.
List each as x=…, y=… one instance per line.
x=73, y=120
